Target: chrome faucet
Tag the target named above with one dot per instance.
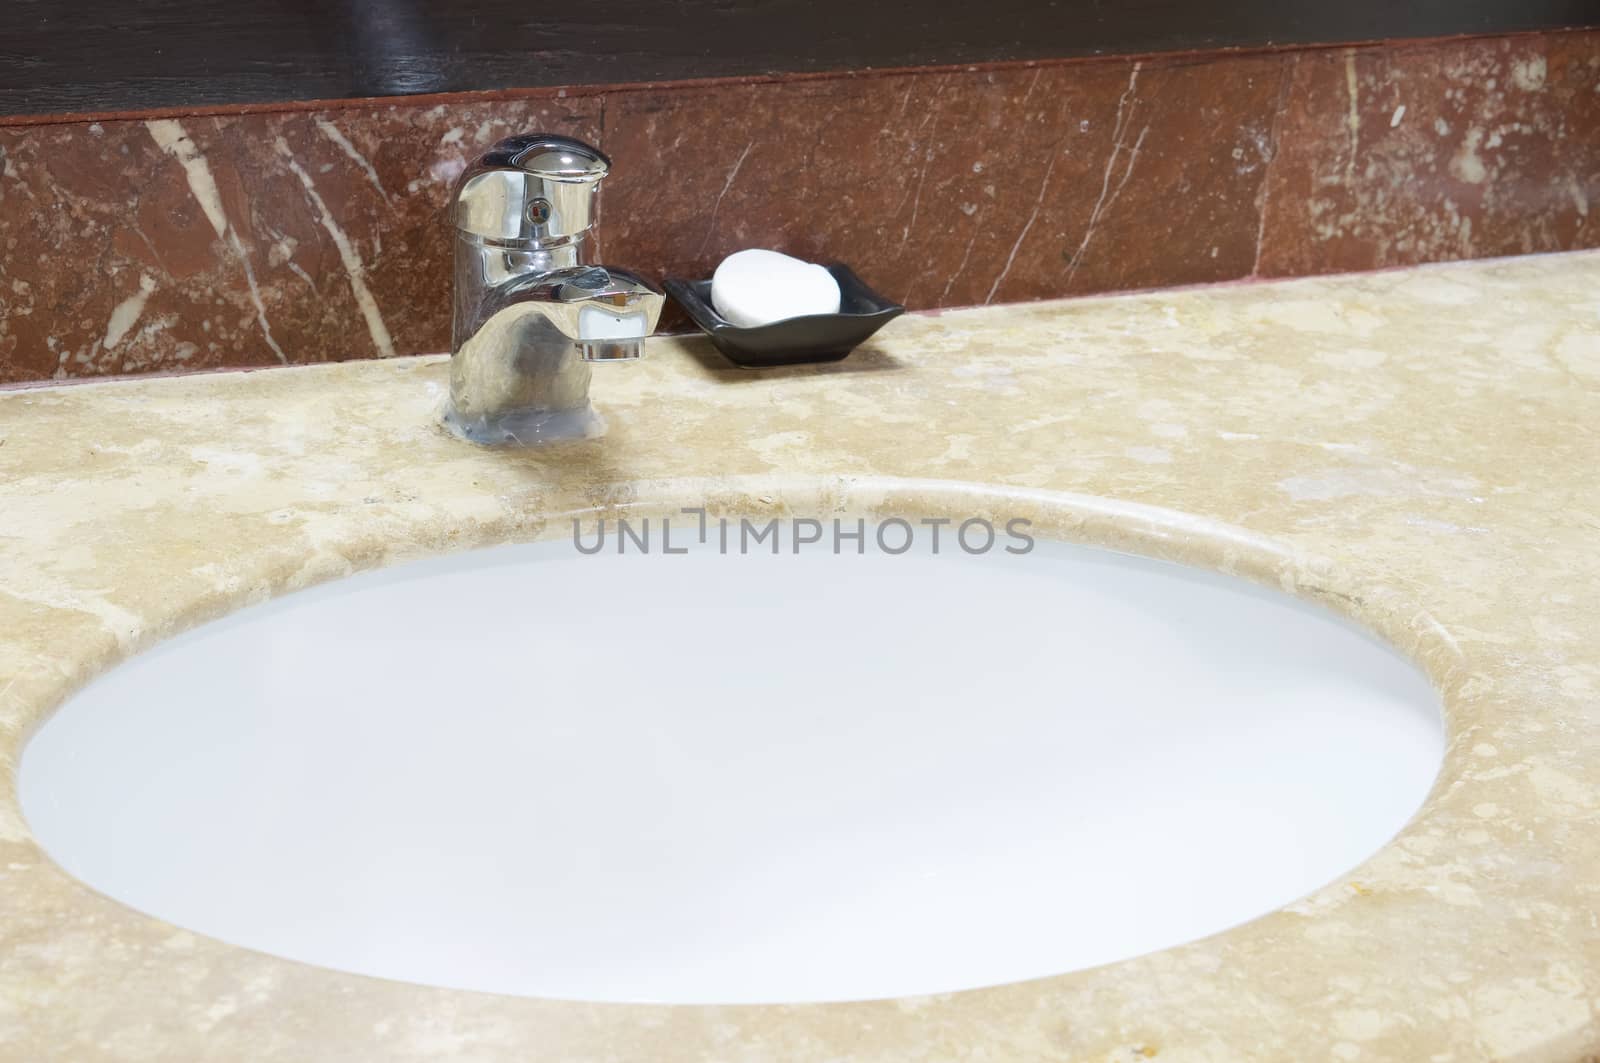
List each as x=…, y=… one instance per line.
x=530, y=312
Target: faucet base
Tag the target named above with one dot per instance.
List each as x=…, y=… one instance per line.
x=526, y=428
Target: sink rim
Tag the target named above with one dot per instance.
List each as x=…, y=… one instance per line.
x=127, y=724
x=1127, y=527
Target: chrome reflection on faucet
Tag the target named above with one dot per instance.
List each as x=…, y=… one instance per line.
x=530, y=311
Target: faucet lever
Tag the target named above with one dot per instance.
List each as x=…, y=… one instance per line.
x=535, y=189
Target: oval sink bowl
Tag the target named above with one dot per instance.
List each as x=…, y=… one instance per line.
x=723, y=779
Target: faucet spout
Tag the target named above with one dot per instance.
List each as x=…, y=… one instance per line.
x=521, y=375
x=530, y=312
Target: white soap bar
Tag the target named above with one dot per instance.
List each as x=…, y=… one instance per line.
x=759, y=287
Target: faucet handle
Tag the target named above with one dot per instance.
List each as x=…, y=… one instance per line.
x=550, y=156
x=531, y=190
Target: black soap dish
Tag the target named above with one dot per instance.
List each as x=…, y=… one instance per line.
x=794, y=340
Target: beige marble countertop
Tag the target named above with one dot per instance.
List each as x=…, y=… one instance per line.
x=1419, y=449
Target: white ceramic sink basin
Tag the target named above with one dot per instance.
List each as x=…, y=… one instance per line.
x=710, y=778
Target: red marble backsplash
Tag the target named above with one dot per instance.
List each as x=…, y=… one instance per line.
x=1389, y=157
x=254, y=238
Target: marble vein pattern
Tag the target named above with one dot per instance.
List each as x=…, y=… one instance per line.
x=1415, y=449
x=182, y=242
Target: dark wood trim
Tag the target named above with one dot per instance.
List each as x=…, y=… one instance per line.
x=577, y=91
x=94, y=57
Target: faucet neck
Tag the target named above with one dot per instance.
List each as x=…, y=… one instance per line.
x=496, y=262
